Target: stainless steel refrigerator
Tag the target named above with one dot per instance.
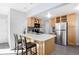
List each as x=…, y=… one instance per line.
x=61, y=30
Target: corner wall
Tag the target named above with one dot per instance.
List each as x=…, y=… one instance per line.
x=17, y=25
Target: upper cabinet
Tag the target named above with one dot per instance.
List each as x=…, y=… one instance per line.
x=64, y=18
x=34, y=20
x=71, y=19
x=53, y=21
x=58, y=19
x=30, y=22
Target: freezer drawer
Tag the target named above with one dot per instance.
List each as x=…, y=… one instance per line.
x=61, y=38
x=58, y=38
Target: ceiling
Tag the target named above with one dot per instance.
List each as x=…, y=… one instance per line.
x=29, y=8
x=40, y=9
x=5, y=7
x=60, y=10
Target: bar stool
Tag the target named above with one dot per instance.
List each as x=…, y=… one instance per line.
x=18, y=44
x=28, y=46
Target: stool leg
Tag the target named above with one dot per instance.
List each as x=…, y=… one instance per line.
x=36, y=50
x=17, y=50
x=22, y=51
x=26, y=51
x=30, y=50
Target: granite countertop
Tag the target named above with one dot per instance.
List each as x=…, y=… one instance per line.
x=40, y=37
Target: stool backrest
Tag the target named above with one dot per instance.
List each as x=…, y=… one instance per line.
x=17, y=40
x=24, y=40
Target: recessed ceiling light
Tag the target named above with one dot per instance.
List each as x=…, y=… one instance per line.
x=48, y=15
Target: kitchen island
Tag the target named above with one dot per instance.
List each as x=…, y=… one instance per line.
x=45, y=43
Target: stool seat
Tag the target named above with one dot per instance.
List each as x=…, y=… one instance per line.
x=30, y=45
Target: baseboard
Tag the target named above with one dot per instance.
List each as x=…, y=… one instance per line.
x=4, y=43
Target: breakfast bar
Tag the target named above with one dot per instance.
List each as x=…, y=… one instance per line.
x=45, y=43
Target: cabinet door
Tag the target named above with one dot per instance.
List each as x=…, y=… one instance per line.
x=29, y=22
x=32, y=22
x=58, y=19
x=53, y=21
x=41, y=22
x=71, y=18
x=64, y=18
x=71, y=35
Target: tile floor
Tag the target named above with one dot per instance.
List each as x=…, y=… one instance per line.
x=59, y=50
x=65, y=50
x=4, y=45
x=4, y=49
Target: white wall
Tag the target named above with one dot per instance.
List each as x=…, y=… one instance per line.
x=77, y=30
x=47, y=27
x=17, y=24
x=3, y=28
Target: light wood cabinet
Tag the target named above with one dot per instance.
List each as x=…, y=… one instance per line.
x=58, y=19
x=45, y=47
x=53, y=21
x=71, y=36
x=71, y=18
x=32, y=20
x=64, y=18
x=29, y=22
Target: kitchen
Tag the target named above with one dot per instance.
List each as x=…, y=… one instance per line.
x=53, y=27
